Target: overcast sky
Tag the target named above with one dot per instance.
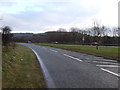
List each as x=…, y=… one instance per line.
x=38, y=16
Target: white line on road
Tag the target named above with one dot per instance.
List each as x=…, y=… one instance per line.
x=72, y=57
x=107, y=66
x=48, y=78
x=104, y=62
x=110, y=72
x=53, y=50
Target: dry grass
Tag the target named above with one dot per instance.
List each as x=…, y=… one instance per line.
x=21, y=69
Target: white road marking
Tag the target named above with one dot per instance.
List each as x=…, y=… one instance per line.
x=72, y=57
x=110, y=72
x=107, y=66
x=53, y=50
x=104, y=62
x=48, y=78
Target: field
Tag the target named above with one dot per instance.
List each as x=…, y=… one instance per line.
x=21, y=69
x=107, y=52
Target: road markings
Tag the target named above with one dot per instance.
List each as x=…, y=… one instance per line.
x=53, y=50
x=110, y=60
x=49, y=80
x=104, y=62
x=110, y=72
x=107, y=66
x=72, y=57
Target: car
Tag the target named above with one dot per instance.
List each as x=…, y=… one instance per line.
x=94, y=43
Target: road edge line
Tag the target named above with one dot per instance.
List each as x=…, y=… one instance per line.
x=48, y=79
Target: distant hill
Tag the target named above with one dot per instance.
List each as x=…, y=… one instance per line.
x=22, y=34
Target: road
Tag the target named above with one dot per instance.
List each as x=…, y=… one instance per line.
x=68, y=69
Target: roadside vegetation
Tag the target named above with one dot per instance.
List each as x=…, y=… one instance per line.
x=20, y=69
x=107, y=52
x=0, y=65
x=98, y=34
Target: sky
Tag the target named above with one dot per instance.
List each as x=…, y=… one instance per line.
x=39, y=16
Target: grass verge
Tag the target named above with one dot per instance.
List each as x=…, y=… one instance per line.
x=107, y=52
x=20, y=69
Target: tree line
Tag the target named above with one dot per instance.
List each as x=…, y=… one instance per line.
x=98, y=34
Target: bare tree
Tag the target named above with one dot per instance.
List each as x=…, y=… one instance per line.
x=61, y=30
x=118, y=31
x=104, y=31
x=114, y=31
x=74, y=31
x=6, y=30
x=96, y=32
x=6, y=36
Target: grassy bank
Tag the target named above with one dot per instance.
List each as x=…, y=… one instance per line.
x=21, y=69
x=107, y=52
x=0, y=61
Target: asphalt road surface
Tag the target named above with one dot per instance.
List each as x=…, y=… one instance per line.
x=68, y=69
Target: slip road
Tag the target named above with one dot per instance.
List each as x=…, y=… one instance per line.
x=67, y=69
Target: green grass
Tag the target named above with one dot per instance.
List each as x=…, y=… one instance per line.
x=21, y=69
x=107, y=52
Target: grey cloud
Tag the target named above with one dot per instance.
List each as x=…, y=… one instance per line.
x=49, y=14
